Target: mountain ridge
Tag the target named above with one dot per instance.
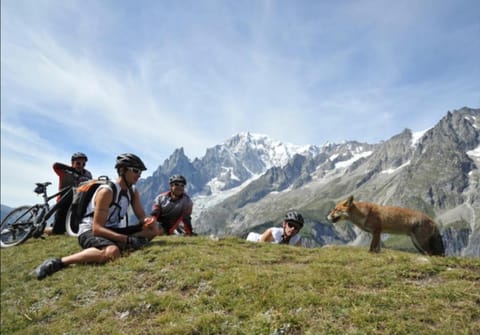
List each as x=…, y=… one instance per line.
x=249, y=181
x=242, y=185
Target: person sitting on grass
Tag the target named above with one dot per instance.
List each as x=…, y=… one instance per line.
x=173, y=207
x=104, y=236
x=287, y=234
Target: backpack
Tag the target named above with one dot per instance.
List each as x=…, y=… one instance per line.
x=82, y=196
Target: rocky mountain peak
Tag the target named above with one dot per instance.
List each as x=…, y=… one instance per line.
x=250, y=179
x=271, y=152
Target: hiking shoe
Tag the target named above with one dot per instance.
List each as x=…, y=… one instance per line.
x=48, y=267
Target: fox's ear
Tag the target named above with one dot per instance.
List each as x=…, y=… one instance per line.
x=349, y=201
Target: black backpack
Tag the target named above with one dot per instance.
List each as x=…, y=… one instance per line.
x=82, y=195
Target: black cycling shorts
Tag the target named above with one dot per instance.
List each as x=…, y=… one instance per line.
x=88, y=240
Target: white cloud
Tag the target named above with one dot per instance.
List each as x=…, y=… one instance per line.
x=149, y=77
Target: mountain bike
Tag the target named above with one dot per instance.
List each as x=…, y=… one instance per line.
x=29, y=221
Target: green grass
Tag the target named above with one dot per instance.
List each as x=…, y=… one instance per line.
x=182, y=285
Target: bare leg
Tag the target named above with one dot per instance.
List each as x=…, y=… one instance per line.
x=93, y=255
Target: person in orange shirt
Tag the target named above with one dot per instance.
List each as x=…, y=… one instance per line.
x=68, y=176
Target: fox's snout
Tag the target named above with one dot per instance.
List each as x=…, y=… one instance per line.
x=341, y=211
x=334, y=217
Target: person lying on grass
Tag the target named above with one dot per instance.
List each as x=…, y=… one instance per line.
x=287, y=234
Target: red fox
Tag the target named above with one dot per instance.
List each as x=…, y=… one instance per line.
x=377, y=219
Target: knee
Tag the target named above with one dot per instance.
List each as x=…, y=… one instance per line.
x=110, y=253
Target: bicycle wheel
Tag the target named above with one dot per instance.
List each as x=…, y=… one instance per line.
x=17, y=226
x=71, y=224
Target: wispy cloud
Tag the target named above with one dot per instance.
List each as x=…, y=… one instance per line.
x=151, y=76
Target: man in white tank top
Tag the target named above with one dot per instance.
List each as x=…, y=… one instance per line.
x=100, y=240
x=287, y=234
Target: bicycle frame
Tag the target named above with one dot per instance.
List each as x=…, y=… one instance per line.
x=62, y=193
x=29, y=221
x=45, y=210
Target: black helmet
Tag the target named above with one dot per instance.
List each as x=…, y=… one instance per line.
x=177, y=178
x=78, y=155
x=130, y=160
x=295, y=217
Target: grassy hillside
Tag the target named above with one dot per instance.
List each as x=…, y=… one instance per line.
x=182, y=285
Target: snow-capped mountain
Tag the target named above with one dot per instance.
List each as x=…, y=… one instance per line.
x=243, y=157
x=225, y=169
x=249, y=181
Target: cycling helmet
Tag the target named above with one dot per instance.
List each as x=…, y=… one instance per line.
x=78, y=155
x=130, y=160
x=177, y=178
x=295, y=217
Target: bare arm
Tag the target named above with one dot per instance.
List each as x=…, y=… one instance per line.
x=103, y=199
x=266, y=236
x=150, y=226
x=137, y=206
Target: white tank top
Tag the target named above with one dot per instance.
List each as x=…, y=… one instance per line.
x=277, y=236
x=117, y=214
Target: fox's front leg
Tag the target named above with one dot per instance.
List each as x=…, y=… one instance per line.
x=375, y=245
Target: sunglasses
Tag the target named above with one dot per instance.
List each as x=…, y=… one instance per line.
x=134, y=170
x=178, y=184
x=293, y=225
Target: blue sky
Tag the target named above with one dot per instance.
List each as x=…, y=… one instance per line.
x=106, y=77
